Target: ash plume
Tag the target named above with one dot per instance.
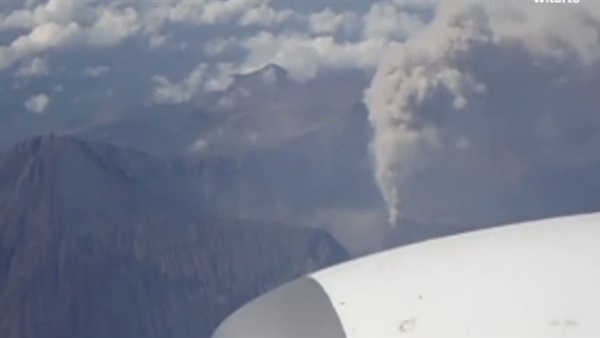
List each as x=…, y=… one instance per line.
x=482, y=103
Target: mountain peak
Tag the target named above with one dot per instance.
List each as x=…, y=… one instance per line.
x=70, y=168
x=47, y=142
x=273, y=70
x=270, y=74
x=262, y=82
x=91, y=246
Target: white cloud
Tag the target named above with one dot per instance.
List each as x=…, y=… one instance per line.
x=385, y=19
x=37, y=104
x=303, y=55
x=172, y=92
x=59, y=12
x=199, y=146
x=57, y=24
x=329, y=22
x=96, y=71
x=221, y=78
x=219, y=45
x=45, y=36
x=16, y=20
x=203, y=79
x=34, y=68
x=265, y=16
x=467, y=113
x=531, y=27
x=90, y=24
x=210, y=12
x=416, y=4
x=41, y=38
x=112, y=26
x=224, y=11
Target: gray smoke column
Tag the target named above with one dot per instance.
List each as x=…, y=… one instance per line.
x=470, y=103
x=425, y=66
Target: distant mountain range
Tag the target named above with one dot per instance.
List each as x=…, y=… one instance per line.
x=270, y=148
x=160, y=220
x=267, y=147
x=100, y=241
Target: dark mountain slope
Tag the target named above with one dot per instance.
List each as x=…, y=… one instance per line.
x=92, y=244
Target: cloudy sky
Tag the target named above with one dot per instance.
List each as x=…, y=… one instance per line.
x=489, y=111
x=481, y=111
x=184, y=47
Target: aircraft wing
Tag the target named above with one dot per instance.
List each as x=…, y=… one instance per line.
x=533, y=279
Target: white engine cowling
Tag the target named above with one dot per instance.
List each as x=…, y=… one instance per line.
x=533, y=279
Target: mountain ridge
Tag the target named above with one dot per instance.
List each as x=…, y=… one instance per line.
x=110, y=258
